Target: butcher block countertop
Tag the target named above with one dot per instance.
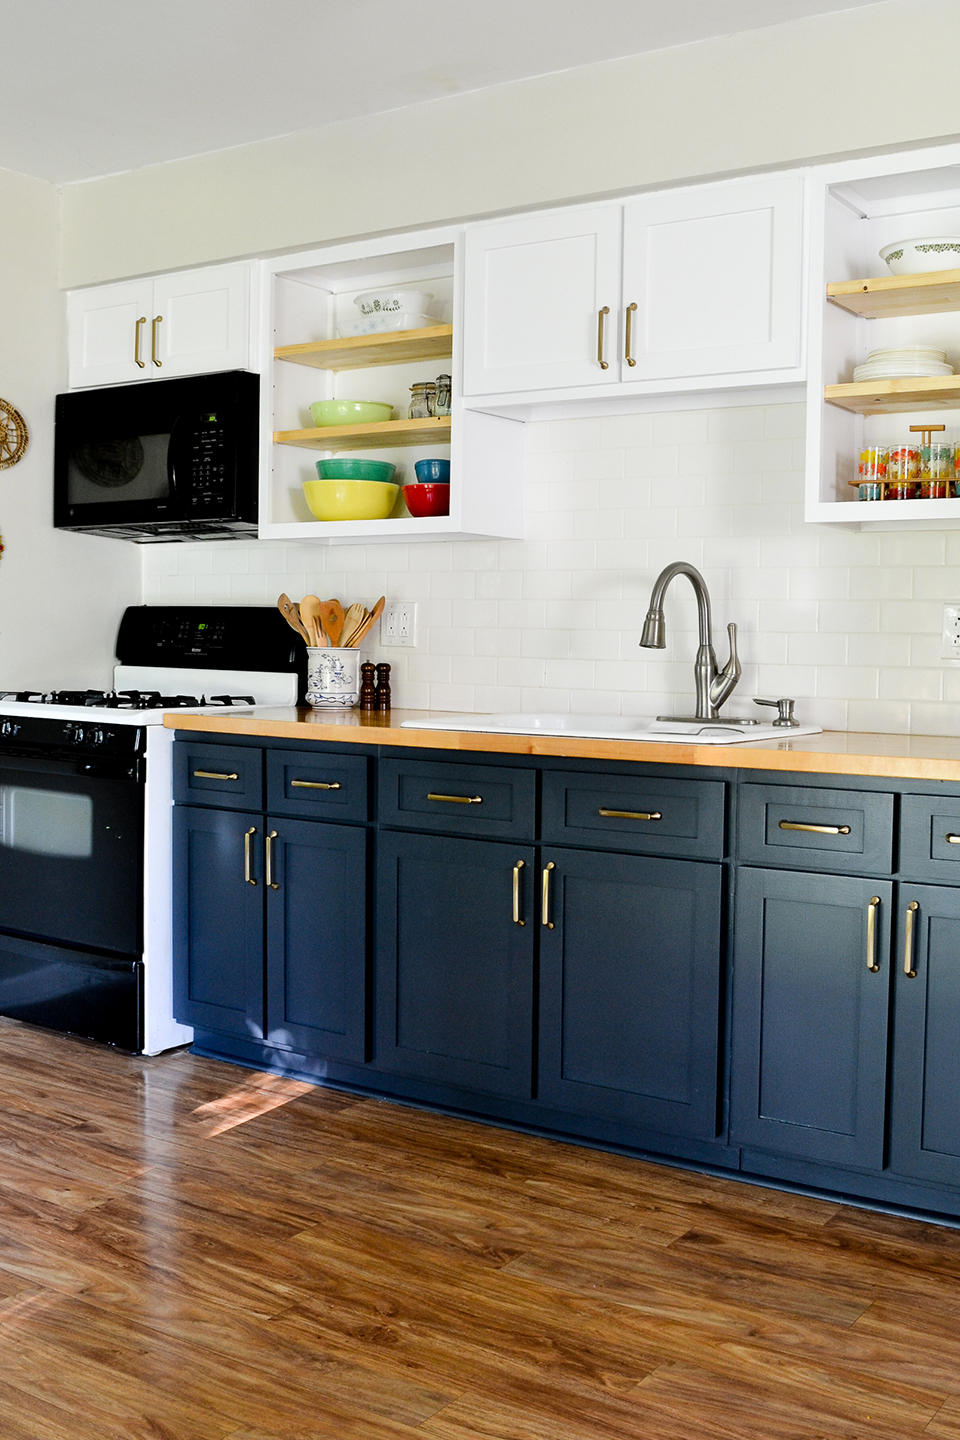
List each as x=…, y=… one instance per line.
x=903, y=757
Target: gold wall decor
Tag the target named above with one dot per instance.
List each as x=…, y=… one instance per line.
x=13, y=435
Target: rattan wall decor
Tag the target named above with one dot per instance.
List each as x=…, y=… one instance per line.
x=14, y=435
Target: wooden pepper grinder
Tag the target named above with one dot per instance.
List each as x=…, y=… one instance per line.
x=383, y=687
x=368, y=695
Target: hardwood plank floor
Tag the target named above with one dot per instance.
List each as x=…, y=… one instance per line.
x=191, y=1251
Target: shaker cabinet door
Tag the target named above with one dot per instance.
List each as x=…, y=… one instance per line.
x=218, y=920
x=630, y=987
x=715, y=275
x=201, y=321
x=106, y=344
x=454, y=967
x=316, y=938
x=811, y=988
x=533, y=292
x=925, y=1088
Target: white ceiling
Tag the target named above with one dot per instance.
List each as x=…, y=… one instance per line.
x=91, y=87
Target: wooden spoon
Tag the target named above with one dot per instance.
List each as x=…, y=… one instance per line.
x=291, y=614
x=352, y=621
x=331, y=617
x=310, y=613
x=368, y=624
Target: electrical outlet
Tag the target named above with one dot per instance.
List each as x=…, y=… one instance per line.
x=950, y=646
x=398, y=624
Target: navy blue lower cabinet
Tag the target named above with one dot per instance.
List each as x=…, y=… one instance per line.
x=811, y=988
x=218, y=920
x=316, y=937
x=925, y=1089
x=454, y=962
x=630, y=986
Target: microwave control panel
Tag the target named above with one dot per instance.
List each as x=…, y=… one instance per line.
x=208, y=464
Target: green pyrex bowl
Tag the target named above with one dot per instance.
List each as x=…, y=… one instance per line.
x=349, y=412
x=342, y=468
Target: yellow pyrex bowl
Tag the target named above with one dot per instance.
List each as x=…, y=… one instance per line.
x=349, y=499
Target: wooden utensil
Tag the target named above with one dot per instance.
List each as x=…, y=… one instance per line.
x=291, y=614
x=352, y=621
x=331, y=618
x=310, y=613
x=368, y=624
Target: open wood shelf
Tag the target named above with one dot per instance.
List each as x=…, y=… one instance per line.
x=386, y=435
x=930, y=294
x=398, y=347
x=891, y=397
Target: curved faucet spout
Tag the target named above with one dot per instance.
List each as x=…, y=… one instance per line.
x=713, y=686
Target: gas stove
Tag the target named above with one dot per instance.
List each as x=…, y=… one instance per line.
x=85, y=817
x=125, y=699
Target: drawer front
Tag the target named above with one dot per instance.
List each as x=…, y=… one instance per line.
x=224, y=775
x=650, y=817
x=458, y=799
x=807, y=829
x=310, y=783
x=930, y=838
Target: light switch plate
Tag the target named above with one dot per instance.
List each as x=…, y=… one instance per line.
x=398, y=624
x=950, y=645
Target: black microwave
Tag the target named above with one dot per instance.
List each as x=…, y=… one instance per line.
x=159, y=461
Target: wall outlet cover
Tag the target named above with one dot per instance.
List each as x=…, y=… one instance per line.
x=398, y=624
x=950, y=645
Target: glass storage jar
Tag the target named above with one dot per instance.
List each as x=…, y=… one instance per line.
x=423, y=400
x=443, y=395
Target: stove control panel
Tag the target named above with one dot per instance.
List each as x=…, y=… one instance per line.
x=47, y=735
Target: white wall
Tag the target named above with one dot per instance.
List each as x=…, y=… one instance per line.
x=61, y=595
x=848, y=623
x=839, y=83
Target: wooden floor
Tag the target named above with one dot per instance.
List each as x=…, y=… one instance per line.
x=190, y=1251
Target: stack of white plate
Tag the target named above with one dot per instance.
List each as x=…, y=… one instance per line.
x=907, y=362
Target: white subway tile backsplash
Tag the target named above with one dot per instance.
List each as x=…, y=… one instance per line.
x=847, y=622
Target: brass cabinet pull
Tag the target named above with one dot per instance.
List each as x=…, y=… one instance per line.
x=908, y=969
x=215, y=775
x=815, y=829
x=600, y=318
x=268, y=879
x=313, y=785
x=517, y=917
x=545, y=897
x=247, y=857
x=457, y=799
x=631, y=814
x=136, y=343
x=872, y=907
x=153, y=343
x=628, y=342
x=952, y=839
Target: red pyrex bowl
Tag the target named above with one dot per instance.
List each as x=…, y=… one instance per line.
x=427, y=499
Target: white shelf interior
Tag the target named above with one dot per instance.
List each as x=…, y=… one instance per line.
x=310, y=302
x=861, y=216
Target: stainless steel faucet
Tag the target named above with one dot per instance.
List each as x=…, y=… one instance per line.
x=713, y=685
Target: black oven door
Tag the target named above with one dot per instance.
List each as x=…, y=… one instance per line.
x=71, y=847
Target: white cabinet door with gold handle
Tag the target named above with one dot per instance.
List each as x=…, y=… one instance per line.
x=715, y=274
x=542, y=301
x=189, y=323
x=109, y=333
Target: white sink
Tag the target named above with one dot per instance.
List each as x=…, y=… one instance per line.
x=616, y=727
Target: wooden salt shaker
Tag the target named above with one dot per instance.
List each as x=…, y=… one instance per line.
x=368, y=695
x=383, y=687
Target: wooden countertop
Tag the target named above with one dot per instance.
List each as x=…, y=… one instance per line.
x=905, y=757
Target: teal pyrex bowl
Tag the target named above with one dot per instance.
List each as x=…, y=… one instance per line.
x=344, y=468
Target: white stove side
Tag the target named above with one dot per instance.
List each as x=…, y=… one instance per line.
x=160, y=1030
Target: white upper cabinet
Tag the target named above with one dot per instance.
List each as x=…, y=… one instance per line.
x=715, y=274
x=710, y=289
x=183, y=324
x=534, y=292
